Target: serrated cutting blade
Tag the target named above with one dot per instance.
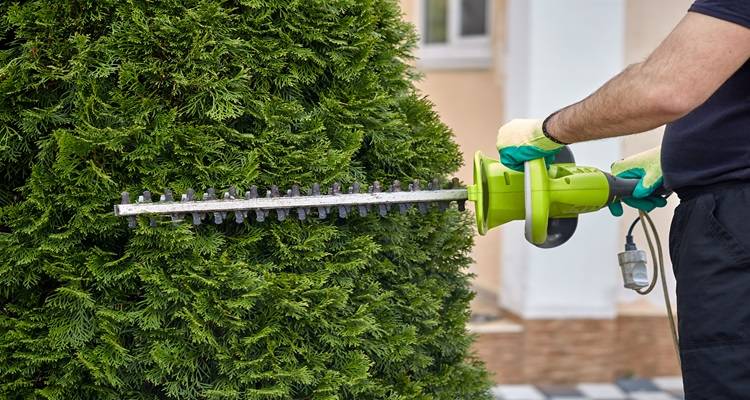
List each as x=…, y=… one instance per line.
x=344, y=203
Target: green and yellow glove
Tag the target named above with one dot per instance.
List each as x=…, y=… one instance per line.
x=646, y=167
x=521, y=140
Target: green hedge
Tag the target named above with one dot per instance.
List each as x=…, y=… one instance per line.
x=103, y=96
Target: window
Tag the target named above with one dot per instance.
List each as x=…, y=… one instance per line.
x=455, y=33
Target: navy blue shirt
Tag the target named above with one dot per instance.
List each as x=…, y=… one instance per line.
x=712, y=143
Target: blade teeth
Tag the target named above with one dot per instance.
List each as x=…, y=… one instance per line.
x=239, y=215
x=434, y=185
x=455, y=184
x=423, y=207
x=335, y=191
x=168, y=197
x=253, y=194
x=260, y=215
x=125, y=199
x=343, y=210
x=224, y=214
x=315, y=191
x=301, y=212
x=396, y=187
x=274, y=192
x=146, y=198
x=382, y=208
x=190, y=196
x=354, y=189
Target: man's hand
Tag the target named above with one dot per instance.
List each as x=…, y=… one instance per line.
x=522, y=140
x=646, y=167
x=682, y=73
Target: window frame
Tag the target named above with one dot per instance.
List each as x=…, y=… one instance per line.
x=459, y=52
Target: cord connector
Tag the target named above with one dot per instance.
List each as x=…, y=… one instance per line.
x=633, y=265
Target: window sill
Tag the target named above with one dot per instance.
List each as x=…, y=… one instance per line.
x=447, y=57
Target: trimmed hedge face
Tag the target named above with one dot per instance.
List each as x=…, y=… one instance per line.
x=103, y=96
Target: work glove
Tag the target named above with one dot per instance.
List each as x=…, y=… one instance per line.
x=521, y=140
x=646, y=167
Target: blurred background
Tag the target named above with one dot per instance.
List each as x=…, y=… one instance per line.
x=559, y=315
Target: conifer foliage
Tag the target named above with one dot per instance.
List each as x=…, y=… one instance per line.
x=103, y=96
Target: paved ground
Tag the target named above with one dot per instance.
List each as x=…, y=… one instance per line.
x=669, y=388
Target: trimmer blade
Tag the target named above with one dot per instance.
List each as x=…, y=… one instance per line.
x=358, y=200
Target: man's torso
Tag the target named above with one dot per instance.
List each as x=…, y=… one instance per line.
x=712, y=143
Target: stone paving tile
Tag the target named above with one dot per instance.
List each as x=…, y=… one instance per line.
x=637, y=385
x=569, y=398
x=650, y=396
x=669, y=383
x=517, y=392
x=666, y=388
x=677, y=395
x=560, y=391
x=602, y=391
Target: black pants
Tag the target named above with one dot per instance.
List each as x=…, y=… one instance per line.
x=710, y=248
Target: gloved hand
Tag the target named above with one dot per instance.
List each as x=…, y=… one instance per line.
x=646, y=167
x=521, y=140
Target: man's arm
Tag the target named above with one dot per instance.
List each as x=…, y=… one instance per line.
x=681, y=74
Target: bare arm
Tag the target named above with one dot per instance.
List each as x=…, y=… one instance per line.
x=681, y=74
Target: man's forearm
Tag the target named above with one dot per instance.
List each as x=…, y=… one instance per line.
x=682, y=73
x=629, y=103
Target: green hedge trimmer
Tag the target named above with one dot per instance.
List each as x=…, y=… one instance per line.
x=549, y=199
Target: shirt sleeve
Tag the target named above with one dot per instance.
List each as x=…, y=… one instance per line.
x=736, y=11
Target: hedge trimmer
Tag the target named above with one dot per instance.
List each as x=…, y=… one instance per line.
x=549, y=199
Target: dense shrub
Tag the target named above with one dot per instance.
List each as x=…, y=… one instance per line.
x=103, y=96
